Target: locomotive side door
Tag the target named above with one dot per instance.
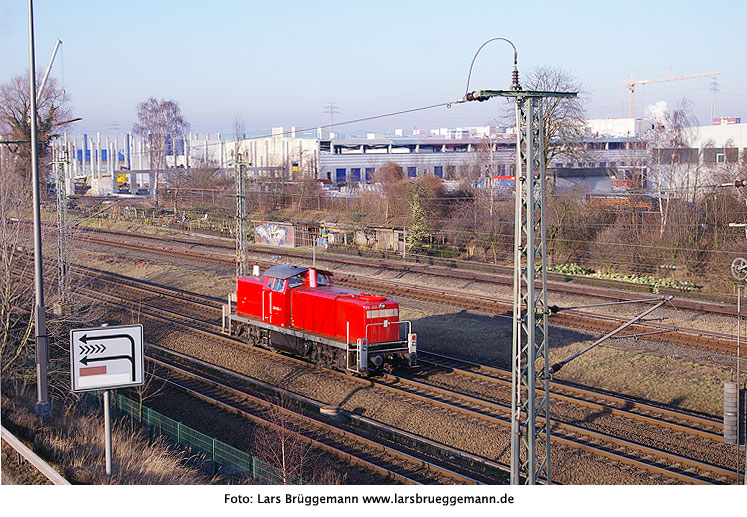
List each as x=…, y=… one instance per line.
x=267, y=299
x=276, y=306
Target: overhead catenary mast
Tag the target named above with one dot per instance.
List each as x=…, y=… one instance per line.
x=530, y=416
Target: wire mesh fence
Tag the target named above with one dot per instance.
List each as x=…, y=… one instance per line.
x=222, y=457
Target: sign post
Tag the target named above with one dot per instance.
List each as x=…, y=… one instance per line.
x=107, y=434
x=103, y=358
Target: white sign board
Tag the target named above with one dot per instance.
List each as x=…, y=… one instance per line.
x=106, y=357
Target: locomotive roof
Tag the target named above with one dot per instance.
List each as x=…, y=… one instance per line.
x=284, y=271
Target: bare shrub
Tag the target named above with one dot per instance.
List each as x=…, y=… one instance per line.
x=572, y=225
x=624, y=246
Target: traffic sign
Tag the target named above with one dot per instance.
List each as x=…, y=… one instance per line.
x=106, y=357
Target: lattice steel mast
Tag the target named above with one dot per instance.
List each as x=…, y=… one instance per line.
x=530, y=342
x=63, y=237
x=530, y=417
x=242, y=243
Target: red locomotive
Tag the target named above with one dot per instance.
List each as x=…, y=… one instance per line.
x=298, y=310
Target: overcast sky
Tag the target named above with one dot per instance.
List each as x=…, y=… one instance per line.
x=280, y=63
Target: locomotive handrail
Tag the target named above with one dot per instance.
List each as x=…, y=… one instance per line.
x=386, y=324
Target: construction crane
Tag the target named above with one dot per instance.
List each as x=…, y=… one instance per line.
x=631, y=85
x=49, y=68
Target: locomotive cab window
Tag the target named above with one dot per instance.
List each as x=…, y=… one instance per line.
x=322, y=279
x=277, y=284
x=294, y=281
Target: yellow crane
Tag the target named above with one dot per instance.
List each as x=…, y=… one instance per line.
x=631, y=85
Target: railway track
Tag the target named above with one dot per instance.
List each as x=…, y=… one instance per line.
x=385, y=461
x=607, y=403
x=497, y=274
x=457, y=472
x=662, y=463
x=668, y=465
x=711, y=341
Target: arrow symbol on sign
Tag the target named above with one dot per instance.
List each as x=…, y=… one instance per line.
x=92, y=349
x=130, y=358
x=87, y=360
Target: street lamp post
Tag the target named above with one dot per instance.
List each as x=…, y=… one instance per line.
x=43, y=406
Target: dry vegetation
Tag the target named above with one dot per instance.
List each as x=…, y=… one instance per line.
x=471, y=222
x=73, y=442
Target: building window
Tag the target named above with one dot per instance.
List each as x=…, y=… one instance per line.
x=558, y=165
x=355, y=175
x=340, y=176
x=412, y=172
x=603, y=164
x=720, y=158
x=369, y=174
x=438, y=170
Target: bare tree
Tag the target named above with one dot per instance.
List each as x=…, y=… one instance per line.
x=281, y=445
x=53, y=113
x=16, y=293
x=390, y=175
x=158, y=122
x=675, y=166
x=564, y=118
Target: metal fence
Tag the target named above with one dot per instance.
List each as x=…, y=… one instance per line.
x=223, y=458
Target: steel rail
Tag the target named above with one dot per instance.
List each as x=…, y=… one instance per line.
x=387, y=473
x=341, y=434
x=662, y=471
x=643, y=451
x=609, y=289
x=561, y=282
x=217, y=334
x=568, y=428
x=706, y=427
x=696, y=338
x=401, y=435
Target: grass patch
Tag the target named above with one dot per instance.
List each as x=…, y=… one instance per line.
x=667, y=380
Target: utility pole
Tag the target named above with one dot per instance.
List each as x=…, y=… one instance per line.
x=42, y=407
x=242, y=244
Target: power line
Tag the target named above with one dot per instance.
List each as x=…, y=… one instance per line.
x=327, y=126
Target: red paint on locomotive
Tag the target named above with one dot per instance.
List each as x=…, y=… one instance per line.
x=290, y=299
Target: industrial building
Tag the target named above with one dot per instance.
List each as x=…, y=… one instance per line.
x=613, y=158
